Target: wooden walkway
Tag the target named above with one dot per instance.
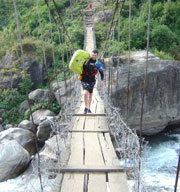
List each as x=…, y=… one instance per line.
x=93, y=165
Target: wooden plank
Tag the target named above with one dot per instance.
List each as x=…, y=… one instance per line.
x=100, y=107
x=117, y=181
x=101, y=123
x=108, y=152
x=76, y=156
x=85, y=169
x=88, y=114
x=97, y=182
x=91, y=131
x=93, y=157
x=79, y=123
x=89, y=123
x=74, y=182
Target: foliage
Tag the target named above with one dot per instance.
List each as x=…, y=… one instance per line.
x=164, y=29
x=54, y=107
x=9, y=101
x=162, y=55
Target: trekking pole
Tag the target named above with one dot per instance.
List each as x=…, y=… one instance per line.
x=177, y=174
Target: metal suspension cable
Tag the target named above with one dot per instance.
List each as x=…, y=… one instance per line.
x=109, y=32
x=111, y=26
x=61, y=20
x=42, y=39
x=23, y=61
x=177, y=175
x=119, y=25
x=145, y=81
x=129, y=50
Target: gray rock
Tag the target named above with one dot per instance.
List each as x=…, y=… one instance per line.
x=13, y=160
x=41, y=113
x=25, y=124
x=44, y=129
x=1, y=120
x=24, y=137
x=1, y=112
x=105, y=15
x=161, y=103
x=35, y=69
x=39, y=95
x=8, y=126
x=23, y=107
x=1, y=128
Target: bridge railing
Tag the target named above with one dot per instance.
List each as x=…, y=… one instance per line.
x=125, y=140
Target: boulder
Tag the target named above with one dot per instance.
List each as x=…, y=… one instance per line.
x=1, y=128
x=13, y=160
x=36, y=69
x=23, y=107
x=40, y=114
x=39, y=95
x=24, y=137
x=105, y=15
x=1, y=120
x=7, y=126
x=61, y=92
x=161, y=102
x=44, y=129
x=25, y=124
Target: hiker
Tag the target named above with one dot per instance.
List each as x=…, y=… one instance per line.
x=90, y=69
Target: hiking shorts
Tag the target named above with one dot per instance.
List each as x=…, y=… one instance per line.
x=88, y=86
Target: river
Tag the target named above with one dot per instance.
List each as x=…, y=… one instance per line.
x=160, y=160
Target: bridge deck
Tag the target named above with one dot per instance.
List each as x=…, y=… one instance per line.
x=92, y=150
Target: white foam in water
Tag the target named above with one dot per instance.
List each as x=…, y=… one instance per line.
x=160, y=164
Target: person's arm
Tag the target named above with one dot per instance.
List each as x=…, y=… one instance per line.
x=100, y=69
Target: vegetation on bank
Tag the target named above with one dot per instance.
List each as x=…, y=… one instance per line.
x=164, y=33
x=10, y=99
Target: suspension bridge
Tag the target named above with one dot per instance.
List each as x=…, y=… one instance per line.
x=93, y=164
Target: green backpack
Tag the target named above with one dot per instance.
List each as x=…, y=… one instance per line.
x=77, y=61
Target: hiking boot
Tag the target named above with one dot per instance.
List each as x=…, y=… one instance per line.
x=85, y=110
x=89, y=111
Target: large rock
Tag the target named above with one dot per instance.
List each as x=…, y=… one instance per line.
x=24, y=137
x=161, y=102
x=36, y=69
x=39, y=95
x=25, y=124
x=44, y=129
x=39, y=115
x=13, y=160
x=62, y=90
x=23, y=107
x=105, y=15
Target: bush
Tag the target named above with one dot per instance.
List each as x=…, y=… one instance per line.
x=162, y=55
x=163, y=38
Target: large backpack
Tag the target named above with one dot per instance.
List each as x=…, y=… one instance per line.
x=77, y=61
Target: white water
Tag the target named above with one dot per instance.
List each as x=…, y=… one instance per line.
x=160, y=162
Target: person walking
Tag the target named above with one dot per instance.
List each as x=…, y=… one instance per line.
x=90, y=69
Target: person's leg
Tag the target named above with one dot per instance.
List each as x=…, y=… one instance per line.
x=86, y=98
x=89, y=100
